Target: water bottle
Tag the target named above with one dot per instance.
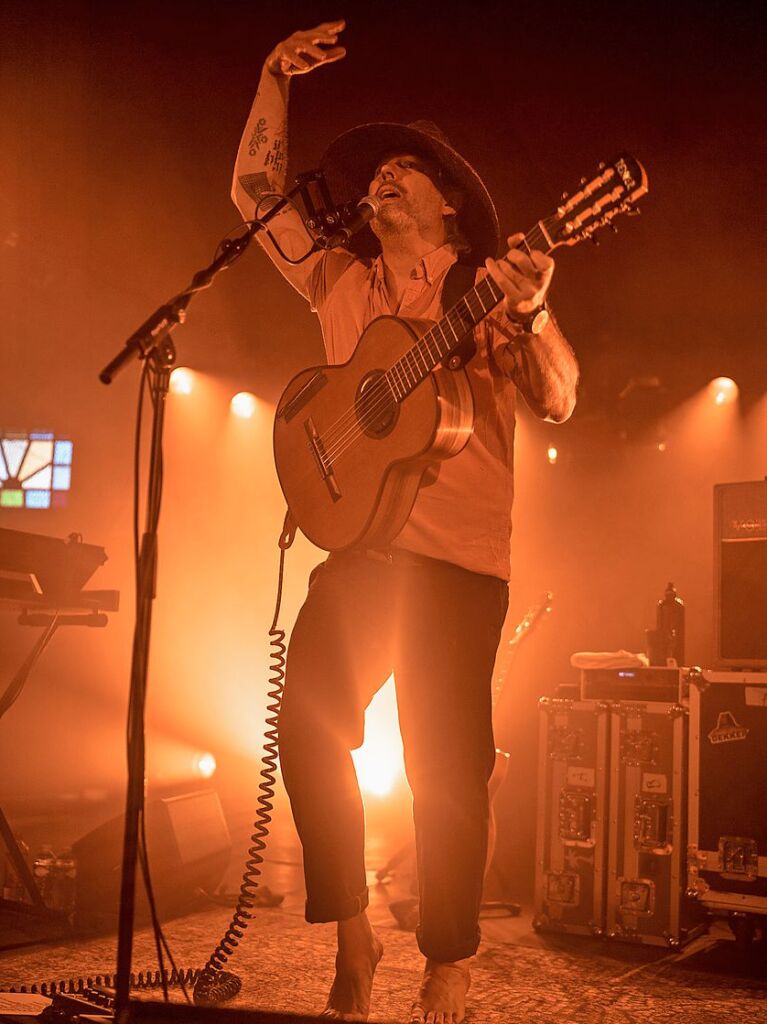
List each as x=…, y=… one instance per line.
x=63, y=880
x=43, y=870
x=670, y=626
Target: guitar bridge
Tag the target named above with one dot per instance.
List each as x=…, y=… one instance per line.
x=321, y=459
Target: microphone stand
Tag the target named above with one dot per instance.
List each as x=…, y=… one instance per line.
x=152, y=342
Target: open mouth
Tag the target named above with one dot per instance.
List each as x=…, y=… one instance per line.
x=388, y=192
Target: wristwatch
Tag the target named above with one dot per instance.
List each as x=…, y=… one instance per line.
x=535, y=321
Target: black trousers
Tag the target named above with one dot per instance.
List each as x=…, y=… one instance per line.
x=437, y=626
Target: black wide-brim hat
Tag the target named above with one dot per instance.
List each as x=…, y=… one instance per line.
x=350, y=162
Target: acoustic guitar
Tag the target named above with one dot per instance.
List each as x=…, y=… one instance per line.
x=352, y=442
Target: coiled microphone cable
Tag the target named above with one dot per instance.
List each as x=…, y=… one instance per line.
x=214, y=984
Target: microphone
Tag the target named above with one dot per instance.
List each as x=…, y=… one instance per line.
x=367, y=208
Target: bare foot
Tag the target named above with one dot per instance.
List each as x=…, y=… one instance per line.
x=359, y=951
x=442, y=996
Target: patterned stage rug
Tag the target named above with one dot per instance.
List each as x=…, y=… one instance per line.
x=286, y=966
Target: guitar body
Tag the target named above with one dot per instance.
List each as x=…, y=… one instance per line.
x=349, y=458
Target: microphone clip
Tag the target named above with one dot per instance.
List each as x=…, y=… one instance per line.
x=323, y=217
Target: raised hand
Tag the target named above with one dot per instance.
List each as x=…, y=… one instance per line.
x=524, y=279
x=306, y=50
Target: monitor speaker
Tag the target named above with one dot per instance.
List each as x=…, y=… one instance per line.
x=740, y=574
x=189, y=849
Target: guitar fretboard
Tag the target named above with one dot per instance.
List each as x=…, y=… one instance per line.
x=446, y=335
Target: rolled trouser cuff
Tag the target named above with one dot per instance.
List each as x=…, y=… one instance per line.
x=321, y=911
x=447, y=952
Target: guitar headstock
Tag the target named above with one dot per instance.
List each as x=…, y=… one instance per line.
x=531, y=618
x=614, y=190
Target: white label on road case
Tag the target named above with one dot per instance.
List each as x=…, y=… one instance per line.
x=727, y=729
x=653, y=783
x=756, y=696
x=578, y=776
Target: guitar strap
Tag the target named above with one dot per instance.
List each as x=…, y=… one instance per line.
x=458, y=280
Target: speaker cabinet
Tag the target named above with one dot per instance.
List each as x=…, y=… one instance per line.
x=740, y=580
x=189, y=849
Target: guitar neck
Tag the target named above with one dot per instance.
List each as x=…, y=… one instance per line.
x=441, y=340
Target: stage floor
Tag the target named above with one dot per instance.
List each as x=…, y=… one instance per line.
x=286, y=965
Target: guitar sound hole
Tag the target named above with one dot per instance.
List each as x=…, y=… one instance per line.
x=376, y=409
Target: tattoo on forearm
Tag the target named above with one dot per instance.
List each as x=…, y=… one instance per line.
x=275, y=158
x=258, y=138
x=256, y=185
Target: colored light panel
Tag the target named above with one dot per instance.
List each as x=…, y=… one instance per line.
x=31, y=467
x=14, y=450
x=38, y=499
x=39, y=455
x=42, y=478
x=62, y=477
x=62, y=453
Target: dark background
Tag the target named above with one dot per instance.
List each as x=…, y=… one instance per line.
x=119, y=127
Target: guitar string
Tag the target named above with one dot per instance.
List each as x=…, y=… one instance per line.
x=385, y=391
x=350, y=426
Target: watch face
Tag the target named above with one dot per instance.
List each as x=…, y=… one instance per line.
x=539, y=321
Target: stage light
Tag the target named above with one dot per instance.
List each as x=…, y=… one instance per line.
x=182, y=381
x=375, y=775
x=379, y=762
x=724, y=390
x=244, y=405
x=661, y=446
x=552, y=454
x=205, y=764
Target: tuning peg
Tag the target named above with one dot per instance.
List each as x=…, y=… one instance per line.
x=614, y=228
x=633, y=211
x=601, y=166
x=593, y=239
x=565, y=195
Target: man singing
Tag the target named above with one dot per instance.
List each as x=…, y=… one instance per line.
x=431, y=605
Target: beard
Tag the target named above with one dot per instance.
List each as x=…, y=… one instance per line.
x=392, y=219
